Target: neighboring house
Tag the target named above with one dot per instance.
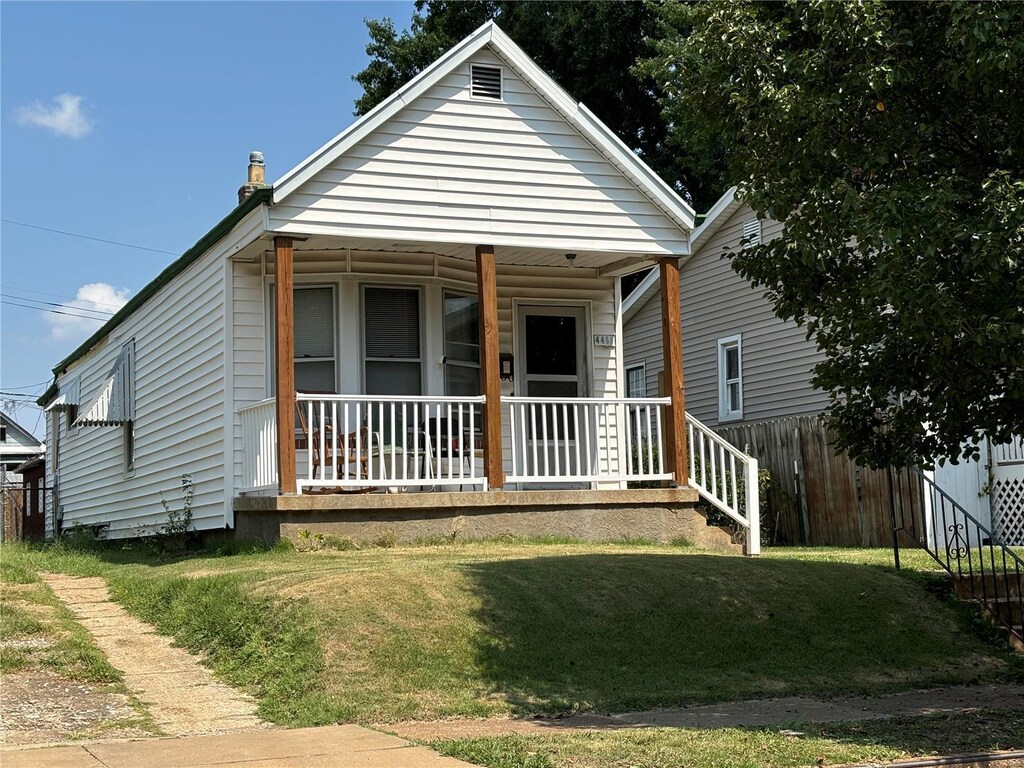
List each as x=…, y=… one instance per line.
x=748, y=375
x=429, y=302
x=18, y=450
x=17, y=445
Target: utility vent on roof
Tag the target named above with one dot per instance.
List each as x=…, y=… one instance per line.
x=751, y=233
x=485, y=82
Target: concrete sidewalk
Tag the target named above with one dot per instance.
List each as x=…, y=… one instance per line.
x=332, y=746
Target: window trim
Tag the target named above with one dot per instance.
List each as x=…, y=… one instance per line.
x=725, y=344
x=421, y=309
x=501, y=83
x=642, y=367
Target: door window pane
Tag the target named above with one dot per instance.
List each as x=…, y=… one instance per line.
x=551, y=345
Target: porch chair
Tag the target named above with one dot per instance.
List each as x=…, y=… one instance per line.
x=355, y=450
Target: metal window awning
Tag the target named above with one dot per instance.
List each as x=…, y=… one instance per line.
x=115, y=403
x=67, y=399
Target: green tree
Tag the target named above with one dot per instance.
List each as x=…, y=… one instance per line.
x=588, y=48
x=889, y=140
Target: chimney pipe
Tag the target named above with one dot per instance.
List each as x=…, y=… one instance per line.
x=257, y=178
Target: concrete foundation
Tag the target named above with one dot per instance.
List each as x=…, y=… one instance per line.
x=656, y=515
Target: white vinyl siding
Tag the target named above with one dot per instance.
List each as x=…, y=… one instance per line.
x=730, y=378
x=179, y=408
x=717, y=302
x=451, y=168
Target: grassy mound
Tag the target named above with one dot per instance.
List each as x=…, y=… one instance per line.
x=491, y=628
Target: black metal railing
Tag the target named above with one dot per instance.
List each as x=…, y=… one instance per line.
x=983, y=567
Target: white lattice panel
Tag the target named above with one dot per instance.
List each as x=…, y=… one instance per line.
x=1008, y=511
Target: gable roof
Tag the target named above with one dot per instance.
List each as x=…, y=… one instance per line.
x=26, y=440
x=718, y=214
x=575, y=113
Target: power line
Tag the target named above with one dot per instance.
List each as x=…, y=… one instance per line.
x=56, y=295
x=54, y=311
x=88, y=237
x=31, y=386
x=18, y=394
x=54, y=304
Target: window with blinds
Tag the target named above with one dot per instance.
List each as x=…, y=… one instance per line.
x=391, y=341
x=315, y=340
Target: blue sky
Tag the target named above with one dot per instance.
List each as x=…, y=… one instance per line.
x=132, y=122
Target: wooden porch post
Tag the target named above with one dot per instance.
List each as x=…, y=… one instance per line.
x=672, y=343
x=284, y=360
x=490, y=383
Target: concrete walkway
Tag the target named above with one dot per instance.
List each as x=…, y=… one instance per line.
x=182, y=696
x=334, y=746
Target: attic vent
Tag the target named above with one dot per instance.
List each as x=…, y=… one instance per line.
x=751, y=233
x=486, y=82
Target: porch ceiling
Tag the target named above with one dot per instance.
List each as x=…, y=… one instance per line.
x=610, y=264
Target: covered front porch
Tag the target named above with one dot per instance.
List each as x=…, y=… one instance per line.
x=532, y=399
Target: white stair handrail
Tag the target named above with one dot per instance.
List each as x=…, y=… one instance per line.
x=715, y=468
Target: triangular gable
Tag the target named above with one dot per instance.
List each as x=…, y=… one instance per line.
x=24, y=437
x=432, y=103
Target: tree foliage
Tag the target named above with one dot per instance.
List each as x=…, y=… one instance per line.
x=588, y=48
x=889, y=140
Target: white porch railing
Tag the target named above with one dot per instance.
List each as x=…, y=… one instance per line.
x=585, y=439
x=726, y=477
x=392, y=442
x=259, y=445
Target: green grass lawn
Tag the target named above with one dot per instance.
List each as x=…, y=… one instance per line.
x=477, y=629
x=829, y=744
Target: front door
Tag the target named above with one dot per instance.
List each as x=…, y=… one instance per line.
x=552, y=359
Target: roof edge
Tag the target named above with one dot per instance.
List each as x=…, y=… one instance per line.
x=636, y=300
x=176, y=267
x=714, y=218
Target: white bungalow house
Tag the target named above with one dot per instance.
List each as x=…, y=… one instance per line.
x=748, y=376
x=418, y=326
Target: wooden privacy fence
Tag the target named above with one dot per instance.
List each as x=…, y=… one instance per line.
x=817, y=497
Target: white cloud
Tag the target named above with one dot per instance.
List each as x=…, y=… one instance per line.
x=65, y=117
x=76, y=324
